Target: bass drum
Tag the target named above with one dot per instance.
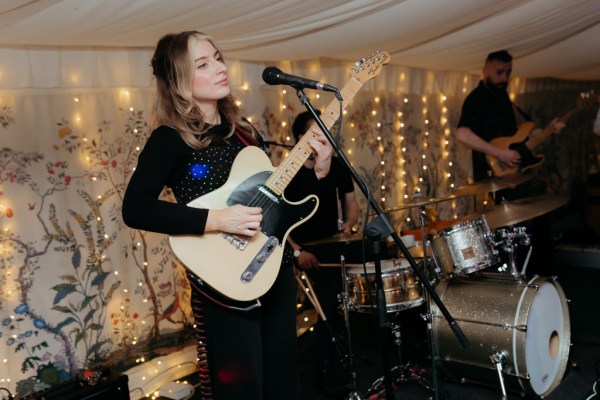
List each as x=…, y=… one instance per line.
x=527, y=323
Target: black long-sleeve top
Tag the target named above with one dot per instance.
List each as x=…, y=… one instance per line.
x=167, y=161
x=489, y=114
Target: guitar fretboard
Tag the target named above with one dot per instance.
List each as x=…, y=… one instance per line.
x=284, y=174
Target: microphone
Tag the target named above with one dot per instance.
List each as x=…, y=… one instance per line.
x=274, y=76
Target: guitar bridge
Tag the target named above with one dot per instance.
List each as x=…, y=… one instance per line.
x=238, y=242
x=261, y=257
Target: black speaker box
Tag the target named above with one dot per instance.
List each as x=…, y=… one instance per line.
x=112, y=386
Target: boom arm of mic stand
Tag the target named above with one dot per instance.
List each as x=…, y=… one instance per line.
x=384, y=222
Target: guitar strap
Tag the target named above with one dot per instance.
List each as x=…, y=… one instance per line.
x=523, y=113
x=247, y=138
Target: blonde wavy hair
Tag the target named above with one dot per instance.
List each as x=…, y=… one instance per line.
x=173, y=68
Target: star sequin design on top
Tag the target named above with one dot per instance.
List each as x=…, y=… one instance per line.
x=206, y=170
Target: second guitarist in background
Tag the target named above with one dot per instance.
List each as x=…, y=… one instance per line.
x=488, y=113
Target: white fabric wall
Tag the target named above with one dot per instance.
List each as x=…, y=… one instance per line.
x=78, y=289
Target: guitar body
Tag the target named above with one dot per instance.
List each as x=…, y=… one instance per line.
x=517, y=142
x=216, y=260
x=243, y=268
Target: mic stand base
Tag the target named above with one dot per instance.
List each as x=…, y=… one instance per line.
x=354, y=396
x=402, y=374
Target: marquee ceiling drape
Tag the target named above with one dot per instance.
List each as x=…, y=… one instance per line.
x=549, y=38
x=80, y=290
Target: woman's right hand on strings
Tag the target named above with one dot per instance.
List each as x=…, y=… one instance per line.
x=237, y=219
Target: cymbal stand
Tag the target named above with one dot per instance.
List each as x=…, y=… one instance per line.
x=346, y=305
x=380, y=311
x=427, y=317
x=509, y=242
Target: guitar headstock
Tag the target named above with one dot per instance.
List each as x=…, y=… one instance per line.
x=369, y=67
x=587, y=100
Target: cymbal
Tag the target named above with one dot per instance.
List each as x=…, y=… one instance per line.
x=421, y=201
x=493, y=184
x=337, y=238
x=514, y=212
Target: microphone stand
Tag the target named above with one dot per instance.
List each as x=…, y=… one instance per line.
x=381, y=223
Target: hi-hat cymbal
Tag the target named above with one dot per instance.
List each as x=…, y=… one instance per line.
x=337, y=238
x=514, y=212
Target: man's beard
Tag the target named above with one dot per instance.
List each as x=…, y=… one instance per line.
x=497, y=87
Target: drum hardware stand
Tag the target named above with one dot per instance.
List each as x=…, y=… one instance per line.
x=380, y=310
x=427, y=316
x=526, y=260
x=381, y=225
x=406, y=370
x=509, y=243
x=499, y=358
x=346, y=304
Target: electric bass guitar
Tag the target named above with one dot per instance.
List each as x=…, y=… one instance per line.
x=243, y=268
x=524, y=145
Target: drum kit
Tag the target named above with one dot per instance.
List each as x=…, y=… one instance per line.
x=518, y=326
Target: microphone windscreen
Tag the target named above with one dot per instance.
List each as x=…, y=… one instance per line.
x=270, y=75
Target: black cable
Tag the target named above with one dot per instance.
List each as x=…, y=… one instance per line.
x=10, y=395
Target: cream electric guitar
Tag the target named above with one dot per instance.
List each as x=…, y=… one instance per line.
x=243, y=268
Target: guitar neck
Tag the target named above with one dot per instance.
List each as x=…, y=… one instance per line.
x=545, y=134
x=284, y=174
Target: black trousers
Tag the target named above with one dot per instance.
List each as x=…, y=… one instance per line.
x=251, y=355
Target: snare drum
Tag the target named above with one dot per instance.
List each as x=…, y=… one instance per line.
x=463, y=249
x=402, y=290
x=526, y=323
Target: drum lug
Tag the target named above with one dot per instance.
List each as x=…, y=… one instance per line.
x=521, y=328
